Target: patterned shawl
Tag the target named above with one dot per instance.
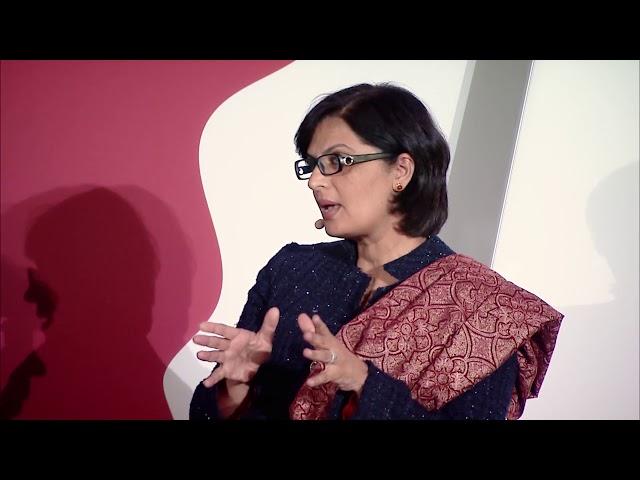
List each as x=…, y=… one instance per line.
x=443, y=330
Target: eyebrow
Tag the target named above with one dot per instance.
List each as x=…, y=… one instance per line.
x=331, y=148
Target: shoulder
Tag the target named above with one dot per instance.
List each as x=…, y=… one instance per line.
x=464, y=268
x=460, y=261
x=458, y=267
x=340, y=251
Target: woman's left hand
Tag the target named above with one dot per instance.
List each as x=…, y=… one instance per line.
x=342, y=367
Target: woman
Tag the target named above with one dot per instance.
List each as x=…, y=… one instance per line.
x=388, y=323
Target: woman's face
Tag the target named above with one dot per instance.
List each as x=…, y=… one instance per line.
x=354, y=202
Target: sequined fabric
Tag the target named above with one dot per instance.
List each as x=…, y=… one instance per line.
x=324, y=278
x=444, y=330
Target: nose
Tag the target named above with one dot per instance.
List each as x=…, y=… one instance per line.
x=317, y=179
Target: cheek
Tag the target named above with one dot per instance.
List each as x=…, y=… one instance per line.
x=365, y=196
x=377, y=194
x=368, y=207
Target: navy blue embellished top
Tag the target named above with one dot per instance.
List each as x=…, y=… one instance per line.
x=325, y=279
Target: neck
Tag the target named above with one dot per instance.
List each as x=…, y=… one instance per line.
x=375, y=252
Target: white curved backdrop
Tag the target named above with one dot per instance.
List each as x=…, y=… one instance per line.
x=246, y=161
x=569, y=232
x=567, y=229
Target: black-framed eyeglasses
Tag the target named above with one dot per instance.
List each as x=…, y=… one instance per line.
x=332, y=163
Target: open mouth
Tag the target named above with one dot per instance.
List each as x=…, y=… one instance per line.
x=329, y=211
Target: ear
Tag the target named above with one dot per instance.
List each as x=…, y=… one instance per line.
x=403, y=169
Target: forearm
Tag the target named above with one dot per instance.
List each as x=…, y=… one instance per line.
x=230, y=397
x=218, y=402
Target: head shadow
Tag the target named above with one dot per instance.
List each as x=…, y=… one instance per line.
x=612, y=216
x=90, y=267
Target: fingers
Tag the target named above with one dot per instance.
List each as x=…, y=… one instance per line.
x=210, y=356
x=315, y=331
x=320, y=339
x=324, y=356
x=317, y=341
x=319, y=379
x=214, y=378
x=320, y=326
x=219, y=329
x=305, y=323
x=213, y=342
x=270, y=323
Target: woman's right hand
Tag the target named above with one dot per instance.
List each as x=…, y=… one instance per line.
x=240, y=352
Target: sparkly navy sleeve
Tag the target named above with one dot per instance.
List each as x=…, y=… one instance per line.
x=385, y=398
x=204, y=405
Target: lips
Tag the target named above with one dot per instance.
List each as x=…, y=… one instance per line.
x=328, y=209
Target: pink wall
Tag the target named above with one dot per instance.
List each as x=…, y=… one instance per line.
x=101, y=195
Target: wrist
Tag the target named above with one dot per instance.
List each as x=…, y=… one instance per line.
x=236, y=390
x=363, y=373
x=231, y=396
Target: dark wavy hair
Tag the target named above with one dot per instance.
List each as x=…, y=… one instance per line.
x=396, y=121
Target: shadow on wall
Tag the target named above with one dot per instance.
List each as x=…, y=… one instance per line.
x=612, y=215
x=599, y=354
x=91, y=271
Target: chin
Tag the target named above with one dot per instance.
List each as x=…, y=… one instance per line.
x=331, y=232
x=334, y=231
